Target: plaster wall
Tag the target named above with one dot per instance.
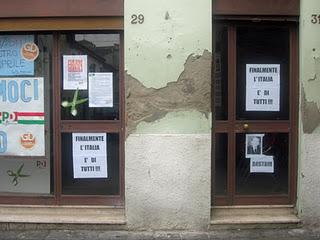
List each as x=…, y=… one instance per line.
x=168, y=181
x=168, y=122
x=309, y=160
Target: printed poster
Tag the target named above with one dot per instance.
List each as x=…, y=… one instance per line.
x=89, y=155
x=262, y=87
x=12, y=49
x=262, y=164
x=75, y=72
x=254, y=145
x=22, y=117
x=101, y=89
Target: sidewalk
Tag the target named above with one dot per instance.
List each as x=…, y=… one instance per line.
x=274, y=234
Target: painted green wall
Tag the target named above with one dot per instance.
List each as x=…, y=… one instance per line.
x=310, y=50
x=156, y=52
x=309, y=137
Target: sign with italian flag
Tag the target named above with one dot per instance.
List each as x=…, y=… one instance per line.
x=22, y=118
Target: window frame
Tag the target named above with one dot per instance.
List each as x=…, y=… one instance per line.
x=60, y=126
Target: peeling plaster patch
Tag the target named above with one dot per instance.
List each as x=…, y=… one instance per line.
x=316, y=59
x=310, y=114
x=192, y=91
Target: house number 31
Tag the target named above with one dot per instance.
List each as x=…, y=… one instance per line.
x=315, y=18
x=137, y=19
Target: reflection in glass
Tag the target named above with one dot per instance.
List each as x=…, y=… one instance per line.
x=220, y=73
x=219, y=164
x=273, y=145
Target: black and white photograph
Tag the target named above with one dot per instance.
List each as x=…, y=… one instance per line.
x=253, y=145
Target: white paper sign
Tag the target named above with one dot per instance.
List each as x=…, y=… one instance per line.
x=262, y=164
x=89, y=155
x=75, y=72
x=101, y=89
x=263, y=87
x=22, y=117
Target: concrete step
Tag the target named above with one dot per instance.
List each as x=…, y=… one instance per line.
x=253, y=216
x=62, y=214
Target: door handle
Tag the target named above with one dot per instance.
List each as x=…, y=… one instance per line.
x=245, y=126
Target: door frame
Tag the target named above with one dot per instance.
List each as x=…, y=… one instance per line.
x=232, y=126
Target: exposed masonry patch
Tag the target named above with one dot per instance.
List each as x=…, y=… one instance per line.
x=310, y=114
x=192, y=91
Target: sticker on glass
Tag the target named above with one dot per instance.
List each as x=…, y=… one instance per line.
x=29, y=51
x=16, y=54
x=22, y=117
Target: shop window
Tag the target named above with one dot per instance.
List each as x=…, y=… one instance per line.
x=61, y=124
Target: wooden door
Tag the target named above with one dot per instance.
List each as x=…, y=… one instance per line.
x=255, y=103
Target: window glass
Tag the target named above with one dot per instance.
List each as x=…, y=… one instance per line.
x=220, y=73
x=220, y=163
x=90, y=76
x=25, y=99
x=82, y=184
x=266, y=50
x=262, y=163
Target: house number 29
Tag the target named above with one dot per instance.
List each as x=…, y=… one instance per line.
x=137, y=19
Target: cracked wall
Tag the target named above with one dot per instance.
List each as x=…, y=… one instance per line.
x=310, y=101
x=168, y=114
x=310, y=114
x=192, y=91
x=169, y=52
x=309, y=138
x=310, y=67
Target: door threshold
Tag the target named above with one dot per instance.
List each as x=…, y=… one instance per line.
x=249, y=216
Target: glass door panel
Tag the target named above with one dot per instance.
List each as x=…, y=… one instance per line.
x=262, y=163
x=262, y=73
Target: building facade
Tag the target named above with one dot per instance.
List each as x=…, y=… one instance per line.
x=171, y=115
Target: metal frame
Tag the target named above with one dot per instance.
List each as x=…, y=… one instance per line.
x=232, y=126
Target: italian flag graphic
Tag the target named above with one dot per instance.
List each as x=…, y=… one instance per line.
x=34, y=118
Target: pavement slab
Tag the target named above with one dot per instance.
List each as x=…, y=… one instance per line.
x=238, y=234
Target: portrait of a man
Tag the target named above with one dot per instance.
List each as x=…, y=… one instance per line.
x=253, y=145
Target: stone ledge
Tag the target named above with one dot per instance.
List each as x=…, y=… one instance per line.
x=245, y=215
x=62, y=214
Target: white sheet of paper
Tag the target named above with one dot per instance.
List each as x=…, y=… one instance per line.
x=256, y=100
x=263, y=87
x=75, y=72
x=101, y=89
x=89, y=155
x=262, y=164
